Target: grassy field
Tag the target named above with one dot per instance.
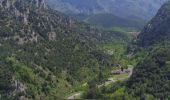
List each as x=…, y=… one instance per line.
x=120, y=76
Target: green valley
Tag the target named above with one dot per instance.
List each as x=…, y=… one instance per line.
x=150, y=77
x=46, y=54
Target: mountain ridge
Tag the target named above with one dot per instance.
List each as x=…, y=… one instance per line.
x=157, y=29
x=133, y=10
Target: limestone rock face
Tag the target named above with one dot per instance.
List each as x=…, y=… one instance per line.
x=41, y=3
x=23, y=11
x=12, y=3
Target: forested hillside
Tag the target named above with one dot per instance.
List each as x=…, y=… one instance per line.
x=44, y=54
x=150, y=79
x=157, y=30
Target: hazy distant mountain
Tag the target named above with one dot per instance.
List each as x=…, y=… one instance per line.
x=136, y=9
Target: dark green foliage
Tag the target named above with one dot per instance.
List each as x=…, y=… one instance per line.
x=5, y=80
x=114, y=91
x=151, y=76
x=91, y=94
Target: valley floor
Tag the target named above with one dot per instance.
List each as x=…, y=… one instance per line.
x=112, y=79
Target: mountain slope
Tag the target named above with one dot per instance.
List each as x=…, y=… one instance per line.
x=151, y=76
x=150, y=79
x=109, y=21
x=124, y=14
x=138, y=9
x=157, y=29
x=44, y=54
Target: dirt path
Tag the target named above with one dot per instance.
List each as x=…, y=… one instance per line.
x=74, y=96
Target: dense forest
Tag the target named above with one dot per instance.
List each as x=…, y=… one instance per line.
x=151, y=75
